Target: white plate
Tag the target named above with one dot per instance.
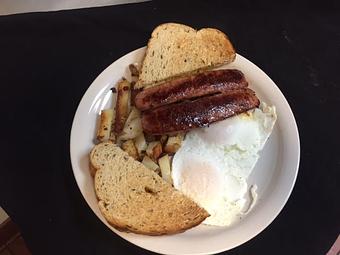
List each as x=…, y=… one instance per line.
x=275, y=172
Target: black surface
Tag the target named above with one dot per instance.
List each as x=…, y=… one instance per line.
x=48, y=60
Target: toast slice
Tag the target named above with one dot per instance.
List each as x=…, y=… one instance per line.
x=135, y=199
x=176, y=49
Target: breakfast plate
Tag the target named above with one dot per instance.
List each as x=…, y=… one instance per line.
x=275, y=172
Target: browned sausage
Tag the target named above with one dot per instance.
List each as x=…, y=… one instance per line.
x=206, y=83
x=198, y=113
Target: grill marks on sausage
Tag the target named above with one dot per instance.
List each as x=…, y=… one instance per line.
x=193, y=86
x=198, y=113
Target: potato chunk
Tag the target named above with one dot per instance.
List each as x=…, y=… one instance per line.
x=174, y=143
x=133, y=125
x=131, y=149
x=149, y=163
x=154, y=150
x=164, y=164
x=122, y=105
x=105, y=125
x=140, y=143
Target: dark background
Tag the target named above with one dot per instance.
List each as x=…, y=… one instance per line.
x=48, y=60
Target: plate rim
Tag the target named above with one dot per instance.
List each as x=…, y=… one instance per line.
x=274, y=216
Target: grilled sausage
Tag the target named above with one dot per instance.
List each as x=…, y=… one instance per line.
x=179, y=89
x=198, y=113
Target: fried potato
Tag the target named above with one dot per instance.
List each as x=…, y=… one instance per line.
x=163, y=139
x=122, y=105
x=164, y=164
x=134, y=70
x=149, y=163
x=130, y=148
x=154, y=150
x=174, y=143
x=132, y=130
x=134, y=114
x=133, y=126
x=140, y=143
x=105, y=125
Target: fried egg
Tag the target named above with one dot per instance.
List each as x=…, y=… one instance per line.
x=213, y=164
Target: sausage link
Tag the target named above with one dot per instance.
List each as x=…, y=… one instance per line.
x=198, y=113
x=179, y=89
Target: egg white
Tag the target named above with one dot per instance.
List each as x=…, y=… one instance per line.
x=213, y=163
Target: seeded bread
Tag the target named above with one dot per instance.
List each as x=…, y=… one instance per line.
x=135, y=199
x=176, y=49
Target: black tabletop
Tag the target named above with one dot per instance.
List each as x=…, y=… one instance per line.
x=48, y=60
